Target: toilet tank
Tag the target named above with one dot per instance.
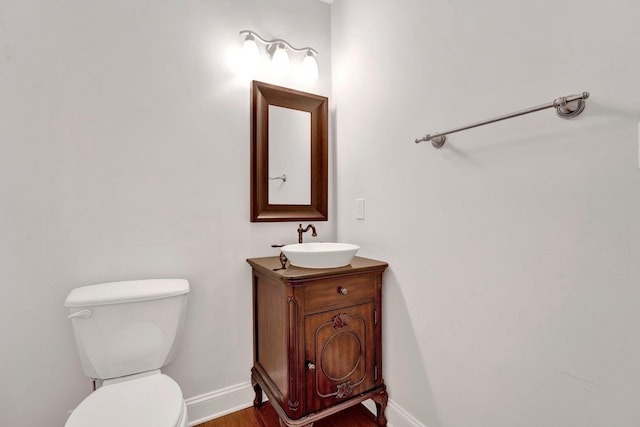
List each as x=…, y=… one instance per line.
x=124, y=328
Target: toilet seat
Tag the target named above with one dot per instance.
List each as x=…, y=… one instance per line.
x=150, y=401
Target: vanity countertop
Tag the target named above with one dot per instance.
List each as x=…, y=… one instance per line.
x=293, y=273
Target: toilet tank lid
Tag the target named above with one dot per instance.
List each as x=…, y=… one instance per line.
x=124, y=292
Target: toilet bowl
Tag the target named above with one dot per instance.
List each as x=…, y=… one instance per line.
x=154, y=400
x=125, y=332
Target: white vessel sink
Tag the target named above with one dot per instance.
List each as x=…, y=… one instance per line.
x=320, y=255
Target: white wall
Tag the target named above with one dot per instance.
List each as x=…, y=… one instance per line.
x=513, y=296
x=124, y=136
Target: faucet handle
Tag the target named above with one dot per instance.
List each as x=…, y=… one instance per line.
x=283, y=261
x=278, y=246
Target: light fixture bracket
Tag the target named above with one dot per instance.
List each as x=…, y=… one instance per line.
x=273, y=47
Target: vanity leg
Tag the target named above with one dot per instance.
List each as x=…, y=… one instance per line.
x=381, y=399
x=257, y=401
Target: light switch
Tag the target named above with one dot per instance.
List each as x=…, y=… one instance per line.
x=359, y=208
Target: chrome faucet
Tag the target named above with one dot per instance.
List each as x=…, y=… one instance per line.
x=304, y=230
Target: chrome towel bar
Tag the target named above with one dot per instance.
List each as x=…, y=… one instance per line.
x=566, y=107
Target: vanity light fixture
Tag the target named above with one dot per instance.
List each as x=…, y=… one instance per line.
x=250, y=55
x=309, y=67
x=279, y=59
x=278, y=51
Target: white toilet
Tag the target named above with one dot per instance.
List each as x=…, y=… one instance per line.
x=125, y=332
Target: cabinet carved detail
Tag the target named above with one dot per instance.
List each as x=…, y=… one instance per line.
x=340, y=320
x=345, y=343
x=344, y=390
x=317, y=351
x=293, y=400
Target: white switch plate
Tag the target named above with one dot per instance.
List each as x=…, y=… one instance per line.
x=359, y=208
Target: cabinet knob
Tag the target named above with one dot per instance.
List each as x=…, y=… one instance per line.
x=343, y=291
x=311, y=366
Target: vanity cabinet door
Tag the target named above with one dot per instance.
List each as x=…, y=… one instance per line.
x=340, y=355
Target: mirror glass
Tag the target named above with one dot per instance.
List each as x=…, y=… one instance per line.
x=289, y=156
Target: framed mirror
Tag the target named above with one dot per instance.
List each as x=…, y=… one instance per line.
x=289, y=154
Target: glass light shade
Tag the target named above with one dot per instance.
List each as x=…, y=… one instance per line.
x=280, y=61
x=309, y=68
x=249, y=55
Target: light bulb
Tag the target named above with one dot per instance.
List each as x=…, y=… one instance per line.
x=249, y=55
x=280, y=60
x=309, y=68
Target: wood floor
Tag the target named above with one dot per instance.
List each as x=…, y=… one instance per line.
x=356, y=416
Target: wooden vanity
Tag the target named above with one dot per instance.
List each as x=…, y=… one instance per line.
x=317, y=338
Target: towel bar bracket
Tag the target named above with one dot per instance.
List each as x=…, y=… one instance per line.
x=437, y=141
x=570, y=109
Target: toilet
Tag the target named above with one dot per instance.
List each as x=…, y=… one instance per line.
x=125, y=333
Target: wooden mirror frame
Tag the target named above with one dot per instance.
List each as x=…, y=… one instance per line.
x=262, y=96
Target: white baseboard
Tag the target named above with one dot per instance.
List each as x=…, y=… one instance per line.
x=218, y=403
x=396, y=415
x=221, y=402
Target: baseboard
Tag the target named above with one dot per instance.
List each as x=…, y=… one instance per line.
x=221, y=402
x=396, y=415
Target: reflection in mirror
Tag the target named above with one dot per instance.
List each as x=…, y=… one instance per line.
x=289, y=156
x=289, y=141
